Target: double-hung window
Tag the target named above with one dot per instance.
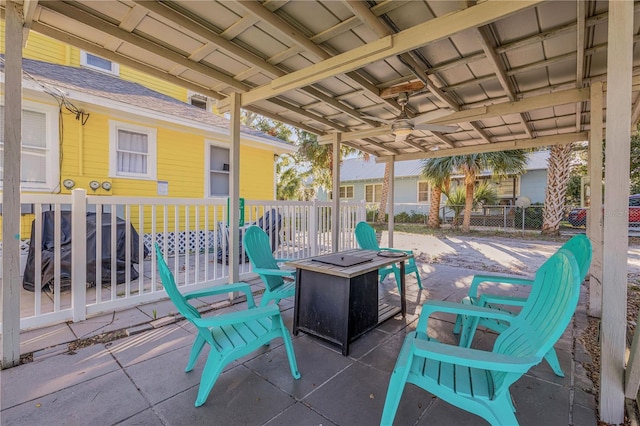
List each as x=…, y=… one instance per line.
x=40, y=170
x=423, y=192
x=373, y=193
x=346, y=191
x=132, y=151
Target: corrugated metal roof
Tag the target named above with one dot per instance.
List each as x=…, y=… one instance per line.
x=355, y=169
x=508, y=74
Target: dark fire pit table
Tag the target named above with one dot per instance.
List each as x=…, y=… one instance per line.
x=337, y=295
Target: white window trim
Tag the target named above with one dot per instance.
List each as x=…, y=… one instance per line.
x=207, y=166
x=151, y=133
x=353, y=191
x=115, y=67
x=428, y=192
x=374, y=192
x=52, y=148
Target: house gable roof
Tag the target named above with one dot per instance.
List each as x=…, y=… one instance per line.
x=105, y=86
x=358, y=169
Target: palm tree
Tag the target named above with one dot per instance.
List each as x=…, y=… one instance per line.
x=500, y=163
x=558, y=174
x=437, y=171
x=385, y=193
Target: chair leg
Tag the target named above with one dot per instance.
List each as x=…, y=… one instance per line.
x=210, y=374
x=418, y=279
x=501, y=411
x=288, y=344
x=458, y=325
x=196, y=348
x=394, y=394
x=552, y=358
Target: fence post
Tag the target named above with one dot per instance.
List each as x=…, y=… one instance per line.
x=79, y=254
x=504, y=217
x=313, y=228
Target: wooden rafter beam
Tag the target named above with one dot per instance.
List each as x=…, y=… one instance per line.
x=580, y=59
x=524, y=105
x=411, y=38
x=482, y=33
x=497, y=146
x=29, y=8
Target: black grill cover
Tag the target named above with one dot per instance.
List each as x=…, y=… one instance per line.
x=47, y=249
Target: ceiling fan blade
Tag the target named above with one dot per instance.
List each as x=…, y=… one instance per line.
x=381, y=120
x=431, y=115
x=437, y=128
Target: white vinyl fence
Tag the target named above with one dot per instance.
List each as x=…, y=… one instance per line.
x=81, y=273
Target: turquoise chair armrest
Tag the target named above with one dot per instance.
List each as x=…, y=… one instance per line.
x=275, y=272
x=485, y=299
x=397, y=250
x=472, y=357
x=238, y=317
x=498, y=279
x=222, y=289
x=432, y=306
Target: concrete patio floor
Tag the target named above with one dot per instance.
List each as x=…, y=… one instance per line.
x=140, y=379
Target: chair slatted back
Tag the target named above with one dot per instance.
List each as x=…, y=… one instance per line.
x=257, y=246
x=169, y=284
x=545, y=316
x=580, y=246
x=366, y=237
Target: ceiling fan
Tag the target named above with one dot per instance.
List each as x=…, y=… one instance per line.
x=402, y=125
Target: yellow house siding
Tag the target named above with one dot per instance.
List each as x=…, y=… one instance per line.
x=256, y=173
x=45, y=49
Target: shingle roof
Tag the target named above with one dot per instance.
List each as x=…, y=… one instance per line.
x=354, y=169
x=110, y=87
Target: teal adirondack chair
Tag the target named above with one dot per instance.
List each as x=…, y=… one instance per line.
x=256, y=244
x=366, y=238
x=478, y=381
x=579, y=246
x=230, y=336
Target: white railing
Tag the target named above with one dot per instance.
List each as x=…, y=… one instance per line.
x=191, y=233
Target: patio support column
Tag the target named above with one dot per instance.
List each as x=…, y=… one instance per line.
x=11, y=190
x=234, y=189
x=616, y=218
x=594, y=215
x=335, y=210
x=391, y=197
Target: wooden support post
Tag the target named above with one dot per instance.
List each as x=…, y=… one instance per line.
x=335, y=211
x=390, y=198
x=234, y=189
x=594, y=216
x=616, y=218
x=11, y=189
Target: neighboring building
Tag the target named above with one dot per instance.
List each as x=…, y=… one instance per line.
x=362, y=180
x=86, y=120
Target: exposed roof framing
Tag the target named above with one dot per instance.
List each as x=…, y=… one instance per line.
x=505, y=70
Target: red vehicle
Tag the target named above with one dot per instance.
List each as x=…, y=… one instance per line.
x=578, y=217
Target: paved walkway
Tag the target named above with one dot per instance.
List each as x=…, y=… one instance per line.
x=139, y=379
